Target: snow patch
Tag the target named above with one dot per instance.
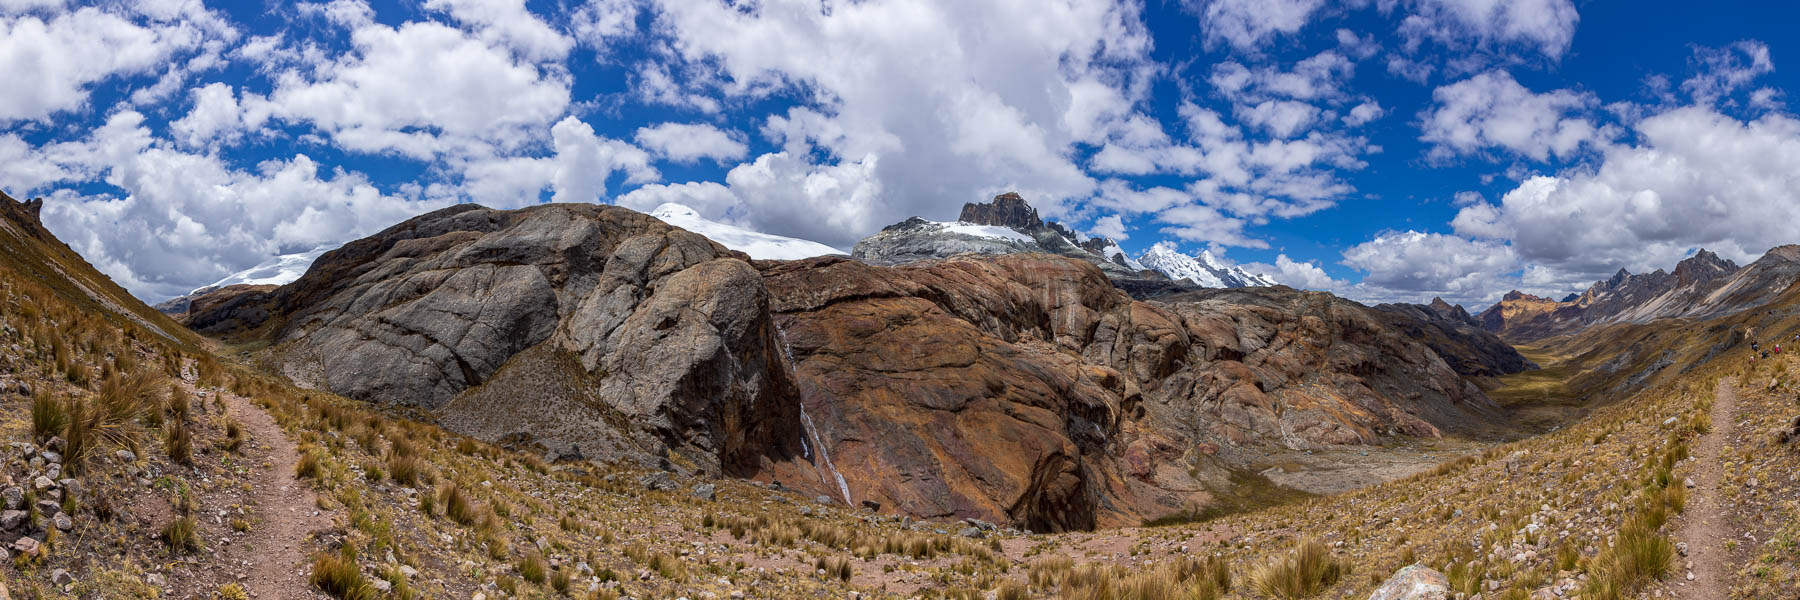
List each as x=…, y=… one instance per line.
x=986, y=231
x=758, y=245
x=280, y=270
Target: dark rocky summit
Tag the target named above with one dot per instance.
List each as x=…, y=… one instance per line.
x=1007, y=210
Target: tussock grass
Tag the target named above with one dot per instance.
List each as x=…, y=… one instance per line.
x=309, y=465
x=533, y=569
x=406, y=470
x=458, y=506
x=181, y=535
x=339, y=576
x=49, y=416
x=1304, y=572
x=179, y=442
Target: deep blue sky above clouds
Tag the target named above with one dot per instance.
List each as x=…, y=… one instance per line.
x=1380, y=149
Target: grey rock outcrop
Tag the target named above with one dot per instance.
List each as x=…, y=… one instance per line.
x=561, y=325
x=1413, y=582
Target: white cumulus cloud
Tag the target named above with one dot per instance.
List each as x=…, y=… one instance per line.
x=688, y=142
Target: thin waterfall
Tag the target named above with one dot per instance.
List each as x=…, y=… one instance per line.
x=811, y=431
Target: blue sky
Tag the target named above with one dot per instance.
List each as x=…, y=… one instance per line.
x=1380, y=149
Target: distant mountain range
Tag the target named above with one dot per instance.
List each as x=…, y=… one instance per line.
x=1009, y=225
x=1701, y=286
x=1201, y=269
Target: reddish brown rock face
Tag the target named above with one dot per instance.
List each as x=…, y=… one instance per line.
x=1025, y=388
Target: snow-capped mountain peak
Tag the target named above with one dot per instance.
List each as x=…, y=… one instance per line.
x=757, y=244
x=1203, y=269
x=1114, y=253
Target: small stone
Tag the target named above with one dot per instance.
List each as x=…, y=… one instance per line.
x=48, y=507
x=408, y=572
x=872, y=505
x=1690, y=576
x=1687, y=482
x=61, y=577
x=706, y=491
x=70, y=486
x=125, y=456
x=43, y=483
x=972, y=532
x=382, y=585
x=54, y=471
x=63, y=521
x=823, y=499
x=55, y=444
x=1681, y=547
x=15, y=497
x=478, y=596
x=156, y=579
x=27, y=546
x=13, y=519
x=52, y=457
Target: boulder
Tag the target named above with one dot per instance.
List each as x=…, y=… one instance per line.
x=1787, y=433
x=1413, y=582
x=705, y=491
x=657, y=481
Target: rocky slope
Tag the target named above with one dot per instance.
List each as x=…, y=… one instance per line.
x=1026, y=386
x=1007, y=225
x=1456, y=336
x=1702, y=286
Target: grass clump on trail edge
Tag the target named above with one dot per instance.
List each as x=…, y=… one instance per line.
x=337, y=574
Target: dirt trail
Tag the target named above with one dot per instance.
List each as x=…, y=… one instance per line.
x=284, y=510
x=1704, y=526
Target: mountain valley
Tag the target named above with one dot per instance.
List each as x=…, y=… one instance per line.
x=581, y=400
